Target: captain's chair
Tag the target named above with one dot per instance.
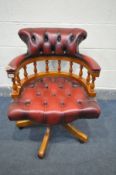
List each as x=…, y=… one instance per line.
x=52, y=95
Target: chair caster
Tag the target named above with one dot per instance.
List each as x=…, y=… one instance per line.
x=20, y=128
x=82, y=142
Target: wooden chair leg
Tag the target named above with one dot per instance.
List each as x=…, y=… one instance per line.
x=44, y=143
x=77, y=133
x=24, y=123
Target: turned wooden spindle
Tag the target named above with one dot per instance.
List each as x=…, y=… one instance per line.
x=47, y=66
x=25, y=72
x=92, y=83
x=18, y=79
x=59, y=65
x=88, y=78
x=81, y=71
x=71, y=68
x=35, y=67
x=14, y=86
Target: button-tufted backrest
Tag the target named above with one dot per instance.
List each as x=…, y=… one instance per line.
x=52, y=41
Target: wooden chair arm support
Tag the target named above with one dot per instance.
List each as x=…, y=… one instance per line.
x=91, y=63
x=92, y=68
x=14, y=64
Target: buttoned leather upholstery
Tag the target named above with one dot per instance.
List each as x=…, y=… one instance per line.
x=53, y=100
x=50, y=41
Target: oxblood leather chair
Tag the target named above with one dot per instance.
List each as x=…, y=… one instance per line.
x=53, y=97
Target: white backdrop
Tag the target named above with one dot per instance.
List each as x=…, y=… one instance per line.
x=97, y=17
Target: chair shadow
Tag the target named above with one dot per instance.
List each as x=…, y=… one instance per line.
x=59, y=133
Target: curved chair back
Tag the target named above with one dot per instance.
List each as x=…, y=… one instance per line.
x=59, y=45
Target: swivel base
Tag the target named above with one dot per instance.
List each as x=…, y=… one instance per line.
x=43, y=147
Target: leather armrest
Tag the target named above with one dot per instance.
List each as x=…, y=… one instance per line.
x=15, y=63
x=90, y=62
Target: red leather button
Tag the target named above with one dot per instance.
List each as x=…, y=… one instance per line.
x=45, y=103
x=27, y=102
x=38, y=93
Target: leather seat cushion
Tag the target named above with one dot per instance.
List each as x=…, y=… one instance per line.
x=53, y=100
